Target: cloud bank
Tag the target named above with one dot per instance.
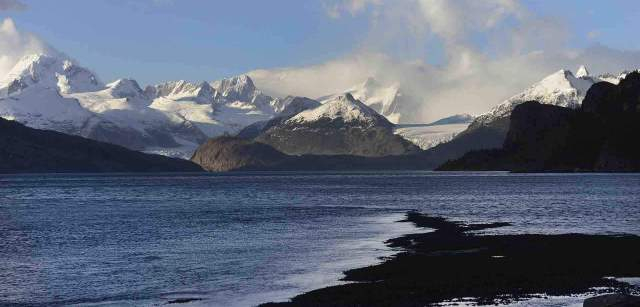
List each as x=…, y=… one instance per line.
x=492, y=49
x=15, y=44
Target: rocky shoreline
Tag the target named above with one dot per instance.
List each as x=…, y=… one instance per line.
x=457, y=260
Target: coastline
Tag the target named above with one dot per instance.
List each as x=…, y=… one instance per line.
x=457, y=261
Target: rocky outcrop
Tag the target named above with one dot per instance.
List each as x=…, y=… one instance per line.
x=229, y=153
x=597, y=137
x=28, y=150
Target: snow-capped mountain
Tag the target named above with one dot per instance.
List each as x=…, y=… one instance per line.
x=384, y=99
x=340, y=126
x=294, y=105
x=32, y=93
x=52, y=92
x=343, y=108
x=561, y=88
x=220, y=107
x=49, y=72
x=241, y=91
x=124, y=104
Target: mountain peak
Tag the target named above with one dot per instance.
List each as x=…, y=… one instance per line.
x=125, y=88
x=582, y=72
x=52, y=72
x=235, y=88
x=343, y=108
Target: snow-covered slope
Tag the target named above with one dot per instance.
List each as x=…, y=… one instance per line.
x=222, y=107
x=182, y=90
x=561, y=88
x=440, y=131
x=427, y=136
x=384, y=99
x=344, y=108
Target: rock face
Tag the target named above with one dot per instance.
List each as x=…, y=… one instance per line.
x=342, y=126
x=548, y=138
x=28, y=150
x=229, y=153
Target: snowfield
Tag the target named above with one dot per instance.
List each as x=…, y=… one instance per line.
x=428, y=136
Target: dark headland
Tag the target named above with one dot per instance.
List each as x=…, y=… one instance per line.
x=599, y=136
x=28, y=150
x=455, y=261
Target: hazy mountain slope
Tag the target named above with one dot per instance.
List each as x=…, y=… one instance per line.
x=24, y=149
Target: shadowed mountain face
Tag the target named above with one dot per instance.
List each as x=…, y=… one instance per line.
x=597, y=137
x=26, y=150
x=232, y=153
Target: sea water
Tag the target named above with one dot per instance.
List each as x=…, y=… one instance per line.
x=241, y=239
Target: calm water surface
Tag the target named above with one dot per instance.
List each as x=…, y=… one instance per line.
x=241, y=239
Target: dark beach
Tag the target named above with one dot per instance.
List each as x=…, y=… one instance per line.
x=457, y=261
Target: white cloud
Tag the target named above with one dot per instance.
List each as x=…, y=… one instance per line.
x=15, y=44
x=335, y=8
x=520, y=48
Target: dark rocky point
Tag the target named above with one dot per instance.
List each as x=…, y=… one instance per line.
x=456, y=261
